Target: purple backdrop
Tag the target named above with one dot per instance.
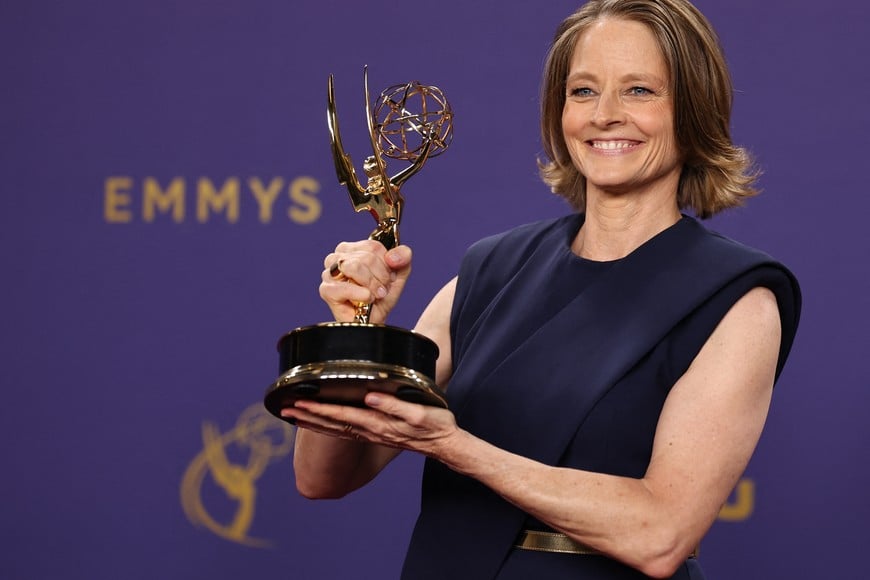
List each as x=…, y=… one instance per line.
x=168, y=195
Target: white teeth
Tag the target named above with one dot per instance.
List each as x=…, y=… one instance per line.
x=611, y=144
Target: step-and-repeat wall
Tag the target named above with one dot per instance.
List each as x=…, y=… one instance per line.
x=168, y=195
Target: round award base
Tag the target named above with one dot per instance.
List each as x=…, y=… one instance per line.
x=339, y=362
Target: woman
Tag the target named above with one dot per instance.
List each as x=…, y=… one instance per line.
x=610, y=371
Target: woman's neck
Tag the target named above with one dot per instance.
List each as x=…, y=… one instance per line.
x=615, y=227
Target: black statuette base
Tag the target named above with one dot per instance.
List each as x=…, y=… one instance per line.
x=340, y=362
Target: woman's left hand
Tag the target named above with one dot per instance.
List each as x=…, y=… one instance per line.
x=386, y=420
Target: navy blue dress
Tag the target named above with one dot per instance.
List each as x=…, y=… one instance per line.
x=568, y=362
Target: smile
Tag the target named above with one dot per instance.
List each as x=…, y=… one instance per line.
x=613, y=145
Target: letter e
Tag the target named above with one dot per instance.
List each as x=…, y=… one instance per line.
x=116, y=200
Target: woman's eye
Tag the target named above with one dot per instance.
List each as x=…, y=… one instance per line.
x=639, y=91
x=580, y=92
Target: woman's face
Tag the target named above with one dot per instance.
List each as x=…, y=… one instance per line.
x=618, y=120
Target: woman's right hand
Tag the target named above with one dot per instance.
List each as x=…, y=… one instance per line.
x=364, y=272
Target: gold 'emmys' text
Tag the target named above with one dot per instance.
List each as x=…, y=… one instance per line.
x=126, y=199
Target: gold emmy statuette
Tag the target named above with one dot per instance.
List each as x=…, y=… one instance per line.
x=339, y=362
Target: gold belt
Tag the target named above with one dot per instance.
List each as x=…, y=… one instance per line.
x=559, y=543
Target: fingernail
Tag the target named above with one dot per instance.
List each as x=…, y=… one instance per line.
x=381, y=292
x=373, y=399
x=393, y=276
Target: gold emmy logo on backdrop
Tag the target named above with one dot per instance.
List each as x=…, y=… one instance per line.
x=259, y=440
x=743, y=505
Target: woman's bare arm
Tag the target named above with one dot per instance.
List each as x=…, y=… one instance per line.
x=707, y=431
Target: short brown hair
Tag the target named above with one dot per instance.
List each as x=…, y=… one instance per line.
x=716, y=174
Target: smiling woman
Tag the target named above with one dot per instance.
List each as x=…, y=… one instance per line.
x=608, y=373
x=715, y=175
x=618, y=118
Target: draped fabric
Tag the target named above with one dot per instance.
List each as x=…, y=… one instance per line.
x=568, y=362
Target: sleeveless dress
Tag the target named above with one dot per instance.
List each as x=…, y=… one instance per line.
x=568, y=362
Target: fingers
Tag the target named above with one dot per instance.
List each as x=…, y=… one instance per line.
x=324, y=425
x=368, y=256
x=363, y=272
x=411, y=413
x=345, y=290
x=386, y=420
x=335, y=269
x=399, y=257
x=362, y=262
